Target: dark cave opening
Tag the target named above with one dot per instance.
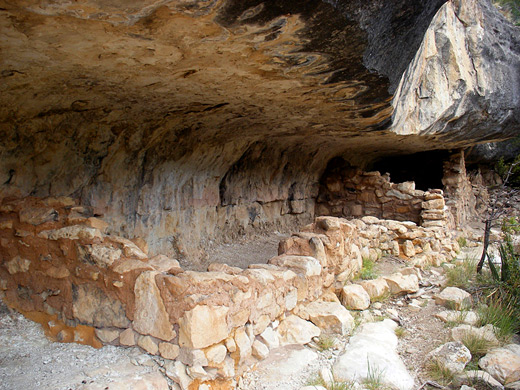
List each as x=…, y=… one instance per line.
x=425, y=168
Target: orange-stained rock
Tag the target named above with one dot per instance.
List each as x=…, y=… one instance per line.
x=150, y=316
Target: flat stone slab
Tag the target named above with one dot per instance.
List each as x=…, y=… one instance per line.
x=285, y=362
x=372, y=351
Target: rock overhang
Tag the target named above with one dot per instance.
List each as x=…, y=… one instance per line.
x=160, y=113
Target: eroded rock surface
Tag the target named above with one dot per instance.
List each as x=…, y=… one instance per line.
x=186, y=123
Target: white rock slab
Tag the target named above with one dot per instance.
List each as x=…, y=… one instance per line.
x=373, y=348
x=284, y=363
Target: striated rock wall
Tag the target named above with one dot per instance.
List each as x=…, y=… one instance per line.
x=186, y=125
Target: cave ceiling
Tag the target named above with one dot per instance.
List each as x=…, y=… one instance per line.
x=307, y=70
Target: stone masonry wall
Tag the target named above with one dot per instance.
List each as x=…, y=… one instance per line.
x=352, y=193
x=100, y=289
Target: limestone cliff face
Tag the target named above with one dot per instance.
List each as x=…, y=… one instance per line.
x=190, y=121
x=463, y=83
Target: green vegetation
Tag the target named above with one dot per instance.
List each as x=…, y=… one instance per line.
x=462, y=275
x=316, y=380
x=326, y=342
x=500, y=287
x=374, y=379
x=400, y=332
x=462, y=241
x=368, y=269
x=511, y=9
x=382, y=298
x=440, y=373
x=502, y=315
x=459, y=319
x=477, y=345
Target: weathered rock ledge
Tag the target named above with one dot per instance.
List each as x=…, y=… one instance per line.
x=191, y=122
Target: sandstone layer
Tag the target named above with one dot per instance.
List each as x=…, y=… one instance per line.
x=191, y=122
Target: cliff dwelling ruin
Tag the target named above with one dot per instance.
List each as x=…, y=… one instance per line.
x=139, y=136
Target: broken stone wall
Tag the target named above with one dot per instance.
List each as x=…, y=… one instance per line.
x=103, y=289
x=351, y=193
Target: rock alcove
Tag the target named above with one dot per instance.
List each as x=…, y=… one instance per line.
x=134, y=134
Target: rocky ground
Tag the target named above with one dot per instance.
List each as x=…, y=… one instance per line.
x=29, y=361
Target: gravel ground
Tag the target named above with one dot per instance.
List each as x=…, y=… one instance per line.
x=28, y=360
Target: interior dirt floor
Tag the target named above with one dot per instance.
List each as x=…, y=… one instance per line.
x=242, y=253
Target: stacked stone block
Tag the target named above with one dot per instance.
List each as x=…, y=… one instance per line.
x=58, y=260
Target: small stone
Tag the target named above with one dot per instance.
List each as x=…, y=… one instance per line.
x=486, y=332
x=198, y=372
x=193, y=357
x=306, y=265
x=102, y=255
x=176, y=371
x=216, y=354
x=97, y=223
x=294, y=330
x=227, y=368
x=165, y=264
x=477, y=377
x=408, y=249
x=355, y=297
x=148, y=344
x=453, y=298
x=169, y=350
x=38, y=215
x=74, y=232
x=433, y=204
x=203, y=326
x=376, y=288
x=127, y=337
x=18, y=264
x=270, y=338
x=402, y=284
x=243, y=343
x=330, y=317
x=230, y=344
x=107, y=335
x=259, y=350
x=57, y=272
x=453, y=356
x=463, y=317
